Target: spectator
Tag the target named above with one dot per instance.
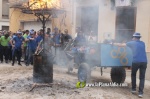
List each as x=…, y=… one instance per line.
x=48, y=31
x=31, y=48
x=80, y=40
x=4, y=41
x=17, y=47
x=25, y=44
x=67, y=37
x=57, y=37
x=39, y=37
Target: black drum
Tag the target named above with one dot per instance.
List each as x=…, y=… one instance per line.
x=43, y=69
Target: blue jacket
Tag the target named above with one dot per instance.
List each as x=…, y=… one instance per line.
x=138, y=50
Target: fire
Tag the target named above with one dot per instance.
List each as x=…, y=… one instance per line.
x=44, y=4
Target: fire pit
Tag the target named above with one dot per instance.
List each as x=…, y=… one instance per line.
x=43, y=62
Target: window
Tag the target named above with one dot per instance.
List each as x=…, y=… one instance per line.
x=5, y=9
x=125, y=23
x=5, y=28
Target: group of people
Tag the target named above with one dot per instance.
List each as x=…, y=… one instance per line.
x=24, y=44
x=12, y=45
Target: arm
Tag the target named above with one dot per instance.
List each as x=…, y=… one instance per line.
x=28, y=39
x=120, y=44
x=11, y=42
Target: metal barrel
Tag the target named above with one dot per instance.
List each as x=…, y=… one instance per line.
x=42, y=69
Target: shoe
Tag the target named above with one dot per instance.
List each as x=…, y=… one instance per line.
x=27, y=64
x=133, y=91
x=140, y=95
x=6, y=61
x=12, y=64
x=19, y=64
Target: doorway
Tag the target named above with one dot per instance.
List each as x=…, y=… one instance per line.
x=87, y=19
x=125, y=23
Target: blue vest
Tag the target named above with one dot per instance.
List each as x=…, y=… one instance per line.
x=31, y=44
x=18, y=41
x=138, y=50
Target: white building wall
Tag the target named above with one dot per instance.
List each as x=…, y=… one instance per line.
x=107, y=17
x=143, y=21
x=35, y=25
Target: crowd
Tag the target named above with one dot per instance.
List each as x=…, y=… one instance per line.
x=23, y=44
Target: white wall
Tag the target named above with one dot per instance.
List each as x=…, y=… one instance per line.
x=143, y=21
x=0, y=9
x=107, y=17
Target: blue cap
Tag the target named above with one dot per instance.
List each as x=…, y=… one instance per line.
x=136, y=34
x=18, y=32
x=55, y=28
x=31, y=32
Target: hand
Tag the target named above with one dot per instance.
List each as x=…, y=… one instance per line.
x=31, y=38
x=13, y=46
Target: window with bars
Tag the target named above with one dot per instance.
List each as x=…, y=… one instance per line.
x=5, y=9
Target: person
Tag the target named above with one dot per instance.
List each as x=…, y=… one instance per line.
x=139, y=61
x=25, y=44
x=17, y=47
x=80, y=40
x=31, y=47
x=67, y=37
x=56, y=37
x=4, y=41
x=48, y=31
x=39, y=37
x=10, y=47
x=92, y=37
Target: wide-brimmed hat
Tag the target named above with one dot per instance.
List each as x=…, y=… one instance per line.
x=137, y=35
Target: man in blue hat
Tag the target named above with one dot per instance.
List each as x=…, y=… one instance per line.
x=139, y=61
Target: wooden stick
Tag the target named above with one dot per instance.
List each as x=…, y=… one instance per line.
x=40, y=85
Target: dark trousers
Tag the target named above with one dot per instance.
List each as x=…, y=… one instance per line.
x=10, y=52
x=30, y=53
x=24, y=53
x=4, y=53
x=16, y=53
x=142, y=69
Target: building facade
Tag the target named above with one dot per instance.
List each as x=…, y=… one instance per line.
x=4, y=15
x=116, y=19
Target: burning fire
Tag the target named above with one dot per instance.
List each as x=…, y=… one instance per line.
x=43, y=4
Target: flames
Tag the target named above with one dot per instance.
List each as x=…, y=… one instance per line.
x=44, y=4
